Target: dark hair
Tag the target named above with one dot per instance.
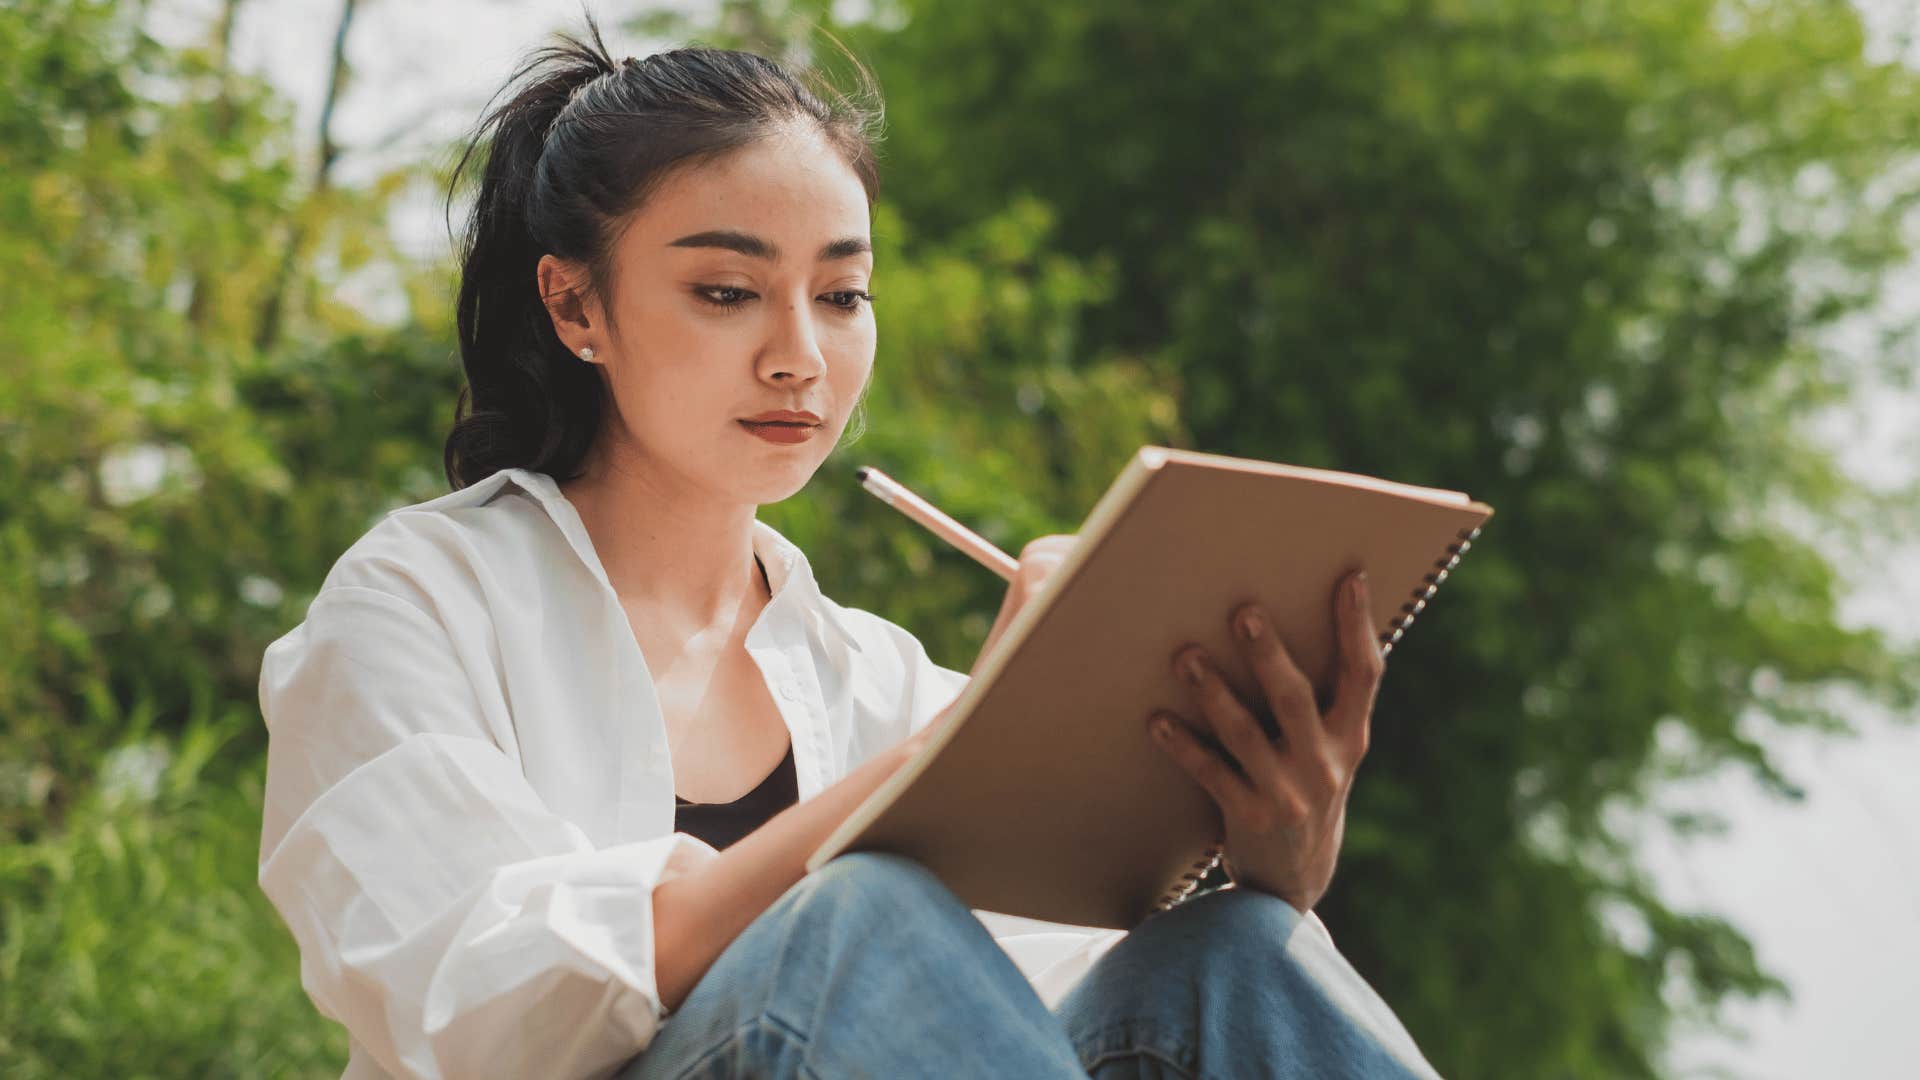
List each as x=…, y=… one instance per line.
x=577, y=147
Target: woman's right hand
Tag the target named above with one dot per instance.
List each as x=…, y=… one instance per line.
x=1038, y=560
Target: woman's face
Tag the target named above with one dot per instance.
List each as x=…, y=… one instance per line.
x=739, y=289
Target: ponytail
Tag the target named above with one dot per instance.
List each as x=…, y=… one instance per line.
x=519, y=406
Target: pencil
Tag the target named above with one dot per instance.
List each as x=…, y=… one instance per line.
x=891, y=492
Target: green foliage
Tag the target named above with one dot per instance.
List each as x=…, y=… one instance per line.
x=136, y=478
x=1579, y=259
x=134, y=944
x=170, y=494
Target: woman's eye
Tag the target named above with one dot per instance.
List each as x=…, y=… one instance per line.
x=732, y=296
x=723, y=296
x=848, y=299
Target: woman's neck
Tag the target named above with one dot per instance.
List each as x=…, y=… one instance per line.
x=687, y=560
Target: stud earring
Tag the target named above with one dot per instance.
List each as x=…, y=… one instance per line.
x=587, y=354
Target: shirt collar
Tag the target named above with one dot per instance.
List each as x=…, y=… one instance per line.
x=790, y=574
x=788, y=571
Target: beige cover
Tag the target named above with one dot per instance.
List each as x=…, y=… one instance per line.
x=1043, y=795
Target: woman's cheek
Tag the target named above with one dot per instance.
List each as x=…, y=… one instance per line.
x=853, y=378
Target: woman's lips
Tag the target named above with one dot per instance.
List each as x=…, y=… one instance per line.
x=781, y=431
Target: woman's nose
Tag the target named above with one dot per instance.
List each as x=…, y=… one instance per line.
x=793, y=353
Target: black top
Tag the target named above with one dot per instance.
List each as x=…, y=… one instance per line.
x=720, y=824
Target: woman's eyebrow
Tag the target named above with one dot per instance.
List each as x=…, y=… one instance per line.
x=844, y=249
x=756, y=248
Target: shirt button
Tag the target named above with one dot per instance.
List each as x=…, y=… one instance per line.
x=790, y=692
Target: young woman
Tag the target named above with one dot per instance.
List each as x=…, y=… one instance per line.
x=549, y=752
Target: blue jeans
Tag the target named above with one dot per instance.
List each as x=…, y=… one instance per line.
x=870, y=967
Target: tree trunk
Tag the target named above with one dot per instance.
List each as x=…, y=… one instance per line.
x=272, y=312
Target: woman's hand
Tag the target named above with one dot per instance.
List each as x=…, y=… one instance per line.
x=1285, y=808
x=1038, y=560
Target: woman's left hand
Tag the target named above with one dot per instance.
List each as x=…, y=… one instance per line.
x=1285, y=808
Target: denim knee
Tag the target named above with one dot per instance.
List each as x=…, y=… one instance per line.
x=860, y=876
x=1233, y=976
x=869, y=966
x=1206, y=946
x=1240, y=915
x=876, y=887
x=867, y=871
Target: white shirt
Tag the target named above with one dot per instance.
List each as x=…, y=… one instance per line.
x=469, y=798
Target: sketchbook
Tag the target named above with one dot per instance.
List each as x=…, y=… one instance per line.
x=1043, y=795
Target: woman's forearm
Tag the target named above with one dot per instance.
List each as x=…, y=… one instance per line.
x=698, y=914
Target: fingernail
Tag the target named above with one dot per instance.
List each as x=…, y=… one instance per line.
x=1190, y=669
x=1356, y=587
x=1250, y=624
x=1162, y=728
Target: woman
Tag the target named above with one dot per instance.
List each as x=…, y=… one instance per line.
x=523, y=725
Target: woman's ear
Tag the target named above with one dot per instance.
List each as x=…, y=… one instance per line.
x=563, y=290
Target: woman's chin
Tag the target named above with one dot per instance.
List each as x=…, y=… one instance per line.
x=781, y=482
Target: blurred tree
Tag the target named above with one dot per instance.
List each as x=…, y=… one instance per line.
x=167, y=494
x=142, y=436
x=1577, y=258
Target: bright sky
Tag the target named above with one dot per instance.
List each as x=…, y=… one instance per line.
x=1829, y=890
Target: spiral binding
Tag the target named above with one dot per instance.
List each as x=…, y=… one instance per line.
x=1189, y=881
x=1411, y=610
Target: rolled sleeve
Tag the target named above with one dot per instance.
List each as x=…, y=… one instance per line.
x=444, y=914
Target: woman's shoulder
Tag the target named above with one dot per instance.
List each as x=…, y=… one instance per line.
x=428, y=552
